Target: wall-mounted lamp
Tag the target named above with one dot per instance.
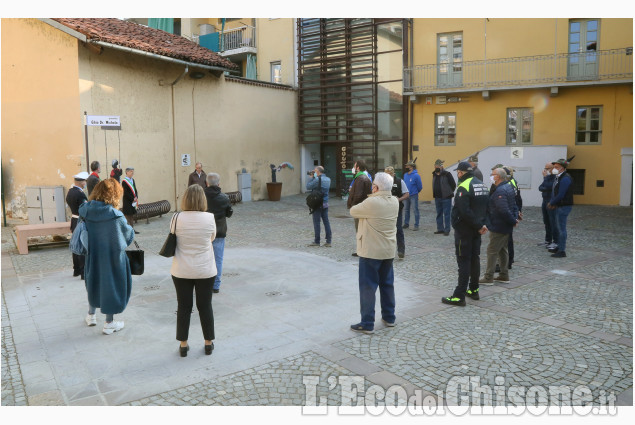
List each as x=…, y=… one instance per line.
x=197, y=75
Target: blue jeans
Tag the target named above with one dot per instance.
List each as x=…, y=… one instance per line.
x=444, y=207
x=561, y=220
x=219, y=247
x=321, y=213
x=373, y=274
x=414, y=200
x=553, y=222
x=401, y=242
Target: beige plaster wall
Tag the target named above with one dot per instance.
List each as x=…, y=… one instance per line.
x=275, y=38
x=42, y=139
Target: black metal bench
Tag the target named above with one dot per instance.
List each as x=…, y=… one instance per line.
x=151, y=209
x=234, y=197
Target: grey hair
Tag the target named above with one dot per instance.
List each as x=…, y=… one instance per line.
x=212, y=179
x=501, y=173
x=383, y=181
x=198, y=163
x=320, y=169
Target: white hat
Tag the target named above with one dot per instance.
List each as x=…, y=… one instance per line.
x=81, y=176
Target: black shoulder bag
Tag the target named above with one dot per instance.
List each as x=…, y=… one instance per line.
x=169, y=246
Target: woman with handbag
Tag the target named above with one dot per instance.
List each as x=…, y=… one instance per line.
x=193, y=266
x=107, y=270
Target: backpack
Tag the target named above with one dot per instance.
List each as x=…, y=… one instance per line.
x=315, y=199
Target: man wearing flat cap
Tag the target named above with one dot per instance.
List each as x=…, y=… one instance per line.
x=443, y=186
x=468, y=219
x=562, y=202
x=130, y=196
x=75, y=198
x=473, y=160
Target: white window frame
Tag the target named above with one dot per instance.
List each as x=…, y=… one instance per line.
x=272, y=66
x=519, y=130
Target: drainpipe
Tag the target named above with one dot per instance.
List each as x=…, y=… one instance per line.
x=176, y=176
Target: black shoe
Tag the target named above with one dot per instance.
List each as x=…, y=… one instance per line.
x=509, y=266
x=447, y=233
x=136, y=233
x=75, y=274
x=354, y=254
x=405, y=226
x=400, y=254
x=553, y=250
x=216, y=291
x=184, y=350
x=559, y=254
x=473, y=294
x=453, y=301
x=209, y=348
x=438, y=232
x=359, y=328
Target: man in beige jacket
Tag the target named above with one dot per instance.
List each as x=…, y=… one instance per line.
x=376, y=243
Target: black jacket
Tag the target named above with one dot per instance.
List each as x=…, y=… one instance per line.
x=502, y=211
x=218, y=204
x=443, y=185
x=128, y=198
x=470, y=204
x=91, y=182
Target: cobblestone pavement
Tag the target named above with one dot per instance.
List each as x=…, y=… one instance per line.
x=559, y=322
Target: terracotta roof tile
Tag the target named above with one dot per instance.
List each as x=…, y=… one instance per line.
x=139, y=37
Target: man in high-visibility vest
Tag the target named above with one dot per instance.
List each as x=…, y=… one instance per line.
x=468, y=220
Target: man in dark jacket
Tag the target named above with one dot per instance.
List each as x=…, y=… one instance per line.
x=443, y=186
x=75, y=198
x=413, y=181
x=519, y=204
x=468, y=219
x=197, y=176
x=562, y=201
x=130, y=199
x=399, y=191
x=218, y=204
x=502, y=216
x=93, y=179
x=548, y=216
x=360, y=189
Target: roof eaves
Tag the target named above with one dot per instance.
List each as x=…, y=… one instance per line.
x=64, y=28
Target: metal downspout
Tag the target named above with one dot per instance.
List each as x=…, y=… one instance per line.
x=176, y=176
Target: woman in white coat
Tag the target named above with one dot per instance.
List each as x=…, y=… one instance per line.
x=193, y=266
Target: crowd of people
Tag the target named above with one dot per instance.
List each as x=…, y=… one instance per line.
x=377, y=205
x=200, y=228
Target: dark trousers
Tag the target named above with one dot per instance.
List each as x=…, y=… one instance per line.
x=467, y=245
x=78, y=260
x=401, y=241
x=129, y=220
x=321, y=213
x=547, y=221
x=373, y=274
x=203, y=288
x=510, y=248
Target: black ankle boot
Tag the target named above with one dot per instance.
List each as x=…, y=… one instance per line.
x=209, y=348
x=184, y=350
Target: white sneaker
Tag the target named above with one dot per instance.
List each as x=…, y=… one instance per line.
x=552, y=245
x=91, y=319
x=113, y=326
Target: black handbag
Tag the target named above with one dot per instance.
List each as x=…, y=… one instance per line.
x=169, y=246
x=135, y=257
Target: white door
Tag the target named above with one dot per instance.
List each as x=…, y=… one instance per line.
x=450, y=60
x=583, y=48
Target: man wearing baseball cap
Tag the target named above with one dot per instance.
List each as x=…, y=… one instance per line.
x=75, y=197
x=562, y=202
x=468, y=219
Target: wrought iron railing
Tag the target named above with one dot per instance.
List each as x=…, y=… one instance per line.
x=238, y=38
x=615, y=64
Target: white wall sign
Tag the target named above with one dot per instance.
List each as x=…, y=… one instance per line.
x=517, y=153
x=441, y=100
x=185, y=160
x=103, y=120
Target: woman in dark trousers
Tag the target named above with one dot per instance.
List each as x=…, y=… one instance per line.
x=193, y=266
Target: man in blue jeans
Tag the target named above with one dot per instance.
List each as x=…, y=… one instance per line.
x=376, y=243
x=443, y=186
x=318, y=176
x=218, y=204
x=413, y=183
x=562, y=202
x=548, y=216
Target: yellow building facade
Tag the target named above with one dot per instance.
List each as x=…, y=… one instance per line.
x=476, y=83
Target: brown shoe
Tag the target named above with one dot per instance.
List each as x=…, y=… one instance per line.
x=501, y=279
x=486, y=282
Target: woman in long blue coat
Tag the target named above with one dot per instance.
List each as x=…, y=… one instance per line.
x=107, y=270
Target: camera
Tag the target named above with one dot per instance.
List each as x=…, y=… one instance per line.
x=310, y=173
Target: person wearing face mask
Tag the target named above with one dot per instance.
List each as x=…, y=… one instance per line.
x=360, y=189
x=413, y=182
x=548, y=215
x=519, y=203
x=443, y=186
x=562, y=202
x=502, y=216
x=468, y=219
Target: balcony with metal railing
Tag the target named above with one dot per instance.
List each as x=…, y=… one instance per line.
x=564, y=69
x=239, y=40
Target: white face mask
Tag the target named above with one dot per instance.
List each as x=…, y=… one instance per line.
x=353, y=170
x=555, y=171
x=491, y=178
